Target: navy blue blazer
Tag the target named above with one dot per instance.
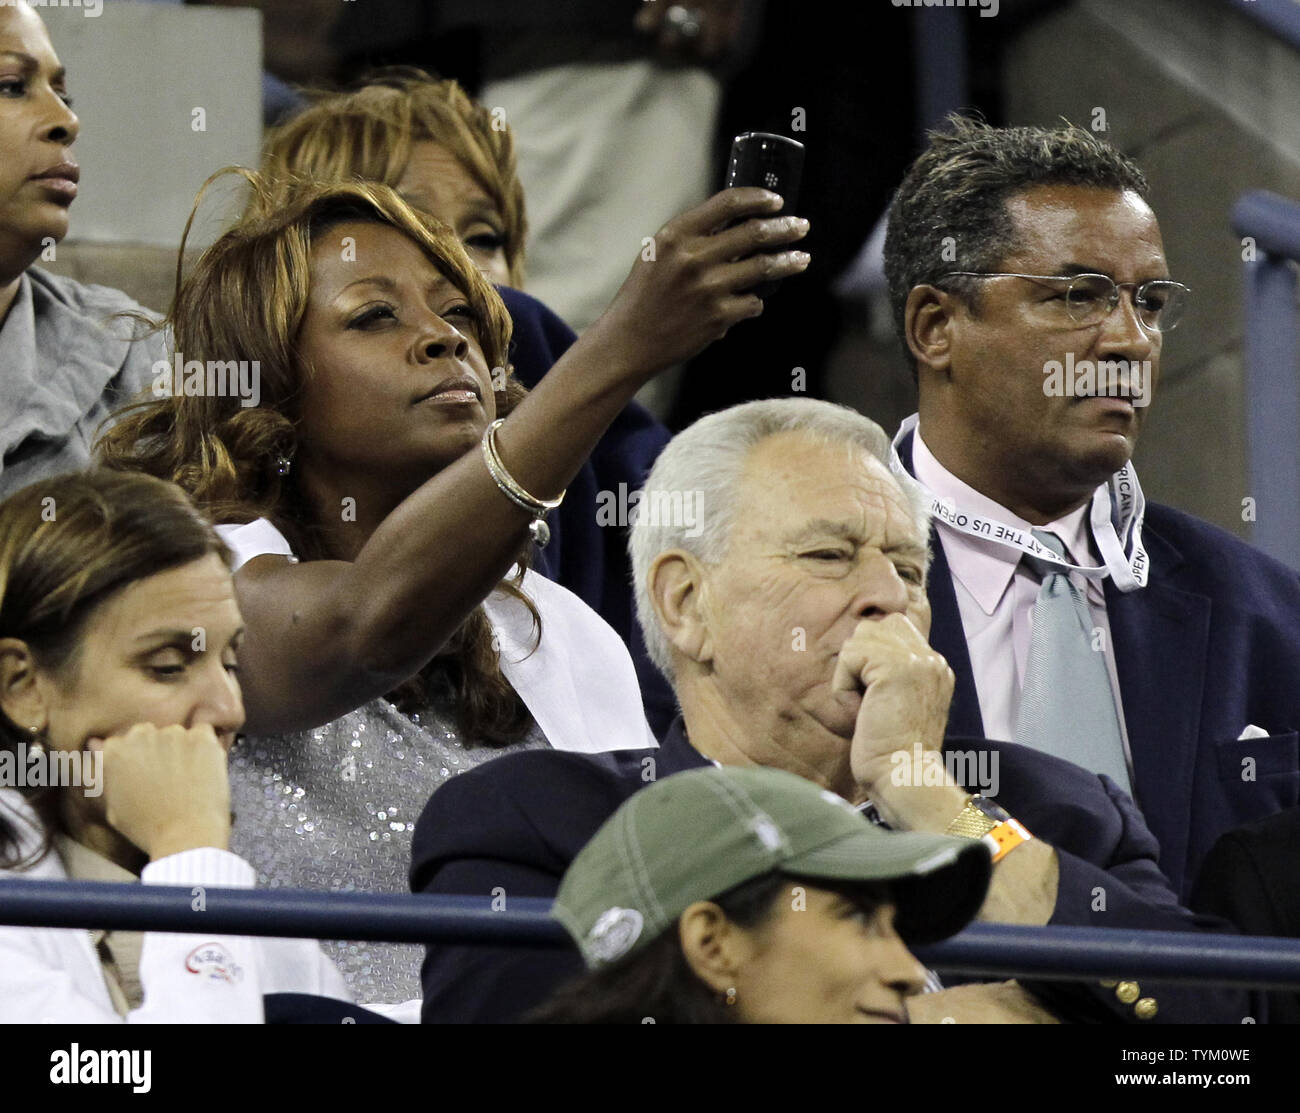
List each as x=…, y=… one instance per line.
x=519, y=821
x=590, y=559
x=1210, y=645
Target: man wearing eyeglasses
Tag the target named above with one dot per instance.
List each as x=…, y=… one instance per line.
x=1029, y=282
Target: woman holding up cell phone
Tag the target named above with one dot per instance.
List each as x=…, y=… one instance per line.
x=454, y=158
x=381, y=494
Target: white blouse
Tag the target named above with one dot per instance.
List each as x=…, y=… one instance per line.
x=54, y=975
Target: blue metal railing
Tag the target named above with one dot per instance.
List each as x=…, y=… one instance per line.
x=1079, y=954
x=1272, y=393
x=1086, y=954
x=393, y=918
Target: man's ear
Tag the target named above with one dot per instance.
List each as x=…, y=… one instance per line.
x=22, y=698
x=676, y=587
x=927, y=321
x=714, y=948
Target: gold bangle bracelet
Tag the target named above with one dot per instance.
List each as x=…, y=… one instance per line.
x=508, y=486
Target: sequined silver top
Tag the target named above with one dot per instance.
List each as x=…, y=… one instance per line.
x=334, y=808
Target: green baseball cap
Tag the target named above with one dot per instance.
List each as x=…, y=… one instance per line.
x=695, y=835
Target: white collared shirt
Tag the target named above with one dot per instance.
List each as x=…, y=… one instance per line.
x=996, y=595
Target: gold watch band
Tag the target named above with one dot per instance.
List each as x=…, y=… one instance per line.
x=971, y=823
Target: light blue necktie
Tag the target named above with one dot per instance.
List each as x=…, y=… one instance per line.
x=1067, y=705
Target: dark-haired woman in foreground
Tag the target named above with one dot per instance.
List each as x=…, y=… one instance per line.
x=752, y=895
x=118, y=632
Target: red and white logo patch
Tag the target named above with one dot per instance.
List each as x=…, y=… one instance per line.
x=212, y=962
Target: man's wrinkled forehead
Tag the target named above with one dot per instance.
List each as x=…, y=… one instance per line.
x=810, y=485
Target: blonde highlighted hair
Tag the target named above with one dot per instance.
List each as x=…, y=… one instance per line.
x=246, y=299
x=367, y=134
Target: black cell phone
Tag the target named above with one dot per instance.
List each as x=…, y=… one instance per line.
x=759, y=158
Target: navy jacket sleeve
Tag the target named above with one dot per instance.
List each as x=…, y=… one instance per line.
x=513, y=824
x=1109, y=878
x=587, y=552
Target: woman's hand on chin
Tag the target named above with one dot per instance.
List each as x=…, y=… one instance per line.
x=167, y=789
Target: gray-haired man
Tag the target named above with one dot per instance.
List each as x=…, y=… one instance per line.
x=793, y=627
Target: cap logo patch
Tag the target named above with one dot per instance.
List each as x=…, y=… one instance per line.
x=839, y=801
x=614, y=934
x=768, y=833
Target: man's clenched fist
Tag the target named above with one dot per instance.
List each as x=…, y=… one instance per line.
x=906, y=686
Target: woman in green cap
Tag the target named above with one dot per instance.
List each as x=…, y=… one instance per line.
x=752, y=895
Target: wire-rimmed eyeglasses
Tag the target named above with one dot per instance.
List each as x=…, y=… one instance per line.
x=1088, y=299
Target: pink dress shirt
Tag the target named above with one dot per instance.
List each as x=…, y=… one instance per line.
x=996, y=595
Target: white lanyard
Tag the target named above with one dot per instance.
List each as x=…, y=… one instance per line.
x=1122, y=491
